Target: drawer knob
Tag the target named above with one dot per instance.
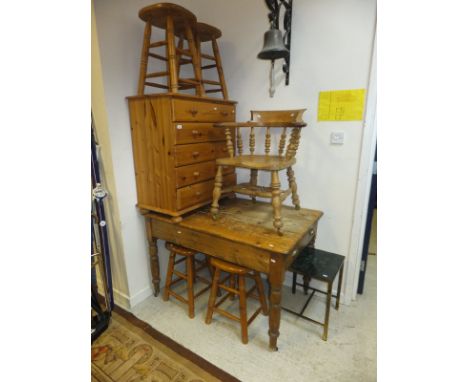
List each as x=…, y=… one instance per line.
x=195, y=154
x=196, y=174
x=193, y=112
x=195, y=132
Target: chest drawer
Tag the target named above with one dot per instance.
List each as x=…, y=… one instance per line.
x=197, y=111
x=221, y=150
x=200, y=192
x=197, y=132
x=194, y=173
x=198, y=152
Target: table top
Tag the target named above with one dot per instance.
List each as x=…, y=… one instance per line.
x=317, y=264
x=250, y=223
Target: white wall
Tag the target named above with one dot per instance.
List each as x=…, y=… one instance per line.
x=331, y=49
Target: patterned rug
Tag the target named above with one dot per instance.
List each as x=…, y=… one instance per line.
x=130, y=350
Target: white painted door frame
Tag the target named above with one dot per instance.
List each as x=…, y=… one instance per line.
x=368, y=146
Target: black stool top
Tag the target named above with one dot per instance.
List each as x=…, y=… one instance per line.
x=317, y=264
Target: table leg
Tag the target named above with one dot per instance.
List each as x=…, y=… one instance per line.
x=327, y=311
x=154, y=259
x=275, y=277
x=338, y=292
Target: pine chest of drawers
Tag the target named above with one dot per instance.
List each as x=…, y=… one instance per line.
x=174, y=150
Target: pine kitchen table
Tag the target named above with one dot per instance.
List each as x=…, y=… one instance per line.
x=241, y=234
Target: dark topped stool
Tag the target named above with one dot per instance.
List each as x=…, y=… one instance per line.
x=190, y=276
x=177, y=22
x=240, y=273
x=320, y=265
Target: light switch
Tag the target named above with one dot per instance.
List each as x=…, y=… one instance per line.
x=337, y=138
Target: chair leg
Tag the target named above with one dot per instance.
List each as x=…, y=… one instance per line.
x=261, y=293
x=276, y=201
x=232, y=284
x=253, y=181
x=189, y=263
x=293, y=187
x=144, y=58
x=217, y=192
x=170, y=270
x=171, y=55
x=327, y=312
x=243, y=309
x=212, y=300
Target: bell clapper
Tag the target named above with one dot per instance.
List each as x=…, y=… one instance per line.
x=272, y=84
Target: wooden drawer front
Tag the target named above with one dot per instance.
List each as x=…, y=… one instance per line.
x=194, y=173
x=199, y=152
x=196, y=111
x=198, y=132
x=200, y=192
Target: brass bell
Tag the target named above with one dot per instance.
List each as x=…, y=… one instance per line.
x=273, y=46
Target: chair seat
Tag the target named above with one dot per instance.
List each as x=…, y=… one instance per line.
x=229, y=267
x=180, y=250
x=207, y=32
x=258, y=162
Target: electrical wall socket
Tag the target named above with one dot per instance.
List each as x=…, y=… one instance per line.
x=337, y=138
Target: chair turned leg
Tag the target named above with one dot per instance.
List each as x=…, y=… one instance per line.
x=293, y=187
x=261, y=293
x=232, y=284
x=276, y=201
x=189, y=263
x=243, y=309
x=170, y=270
x=212, y=300
x=253, y=181
x=217, y=192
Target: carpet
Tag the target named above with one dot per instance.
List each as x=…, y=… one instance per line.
x=130, y=350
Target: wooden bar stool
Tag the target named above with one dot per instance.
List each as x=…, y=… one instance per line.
x=208, y=33
x=180, y=22
x=240, y=273
x=190, y=276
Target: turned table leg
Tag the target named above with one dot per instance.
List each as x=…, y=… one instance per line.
x=275, y=277
x=154, y=259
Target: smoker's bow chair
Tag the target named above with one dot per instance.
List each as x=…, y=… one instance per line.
x=284, y=159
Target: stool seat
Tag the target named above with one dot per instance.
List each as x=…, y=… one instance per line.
x=229, y=267
x=157, y=14
x=180, y=250
x=207, y=32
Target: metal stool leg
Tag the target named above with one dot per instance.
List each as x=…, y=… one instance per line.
x=338, y=293
x=327, y=311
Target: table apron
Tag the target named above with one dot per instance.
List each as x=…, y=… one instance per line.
x=237, y=253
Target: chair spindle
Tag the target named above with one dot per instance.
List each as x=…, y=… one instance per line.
x=239, y=142
x=282, y=143
x=293, y=143
x=229, y=144
x=252, y=141
x=267, y=141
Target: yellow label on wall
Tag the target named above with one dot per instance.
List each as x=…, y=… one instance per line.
x=341, y=105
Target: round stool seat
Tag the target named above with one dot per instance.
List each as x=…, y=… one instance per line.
x=157, y=15
x=207, y=32
x=229, y=267
x=180, y=250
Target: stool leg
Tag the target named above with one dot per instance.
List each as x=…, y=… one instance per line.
x=171, y=55
x=261, y=293
x=243, y=309
x=190, y=275
x=195, y=60
x=144, y=58
x=180, y=45
x=212, y=300
x=276, y=201
x=232, y=284
x=219, y=67
x=338, y=292
x=170, y=270
x=217, y=192
x=293, y=187
x=327, y=312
